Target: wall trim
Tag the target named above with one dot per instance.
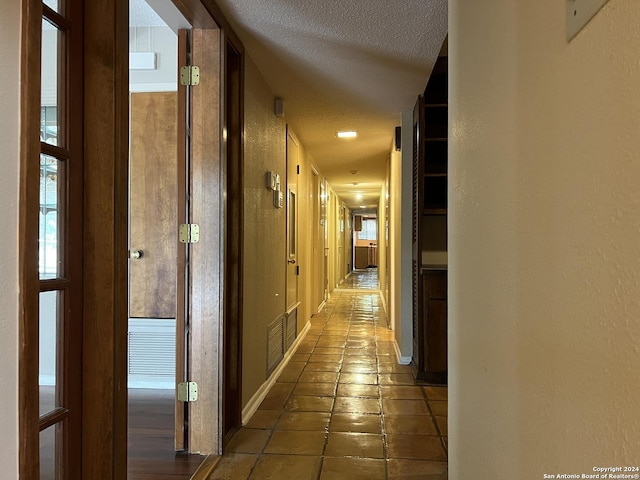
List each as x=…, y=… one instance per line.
x=384, y=304
x=402, y=360
x=255, y=401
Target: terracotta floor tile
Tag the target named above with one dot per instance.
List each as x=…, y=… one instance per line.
x=318, y=377
x=359, y=378
x=436, y=393
x=307, y=348
x=368, y=391
x=296, y=366
x=312, y=421
x=303, y=403
x=405, y=392
x=296, y=443
x=299, y=357
x=366, y=445
x=288, y=377
x=402, y=469
x=394, y=368
x=234, y=466
x=359, y=368
x=353, y=469
x=248, y=440
x=323, y=367
x=317, y=357
x=281, y=467
x=328, y=418
x=439, y=408
x=396, y=378
x=356, y=422
x=409, y=424
x=421, y=447
x=317, y=389
x=404, y=407
x=265, y=419
x=356, y=405
x=443, y=425
x=328, y=351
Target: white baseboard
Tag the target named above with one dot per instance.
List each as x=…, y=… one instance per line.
x=257, y=398
x=384, y=301
x=402, y=360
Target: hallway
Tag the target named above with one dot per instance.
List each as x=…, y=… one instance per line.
x=343, y=408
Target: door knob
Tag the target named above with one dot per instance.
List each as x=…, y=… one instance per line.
x=291, y=261
x=135, y=254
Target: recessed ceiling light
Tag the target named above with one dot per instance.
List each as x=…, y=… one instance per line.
x=347, y=134
x=358, y=196
x=362, y=206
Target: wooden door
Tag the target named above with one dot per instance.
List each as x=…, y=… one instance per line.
x=153, y=213
x=293, y=152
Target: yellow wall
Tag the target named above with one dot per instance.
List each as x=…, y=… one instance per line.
x=544, y=209
x=265, y=246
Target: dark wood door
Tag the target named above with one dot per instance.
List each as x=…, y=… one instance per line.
x=153, y=212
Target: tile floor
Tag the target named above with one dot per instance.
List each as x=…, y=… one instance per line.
x=343, y=408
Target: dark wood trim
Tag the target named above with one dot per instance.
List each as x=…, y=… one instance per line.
x=28, y=395
x=180, y=434
x=206, y=14
x=104, y=433
x=53, y=417
x=234, y=221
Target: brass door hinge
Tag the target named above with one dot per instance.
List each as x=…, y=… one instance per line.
x=187, y=392
x=189, y=233
x=189, y=75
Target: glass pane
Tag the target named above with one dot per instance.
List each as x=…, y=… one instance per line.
x=49, y=96
x=49, y=311
x=52, y=200
x=53, y=4
x=48, y=451
x=292, y=223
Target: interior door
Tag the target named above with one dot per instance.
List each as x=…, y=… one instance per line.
x=293, y=269
x=153, y=215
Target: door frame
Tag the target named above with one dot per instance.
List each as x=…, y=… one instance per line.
x=105, y=232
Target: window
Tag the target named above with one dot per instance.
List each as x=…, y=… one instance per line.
x=369, y=229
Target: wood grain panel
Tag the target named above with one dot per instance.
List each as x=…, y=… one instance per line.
x=28, y=238
x=181, y=211
x=153, y=196
x=207, y=259
x=104, y=436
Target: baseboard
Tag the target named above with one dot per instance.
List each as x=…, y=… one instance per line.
x=402, y=360
x=383, y=301
x=206, y=467
x=255, y=401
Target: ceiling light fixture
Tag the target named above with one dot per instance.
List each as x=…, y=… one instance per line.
x=358, y=196
x=347, y=134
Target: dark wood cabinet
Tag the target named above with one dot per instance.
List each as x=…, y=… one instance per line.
x=430, y=132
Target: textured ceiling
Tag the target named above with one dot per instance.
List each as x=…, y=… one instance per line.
x=343, y=65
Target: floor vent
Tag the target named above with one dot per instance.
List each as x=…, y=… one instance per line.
x=275, y=343
x=292, y=328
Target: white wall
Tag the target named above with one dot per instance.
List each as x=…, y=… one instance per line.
x=9, y=124
x=544, y=262
x=400, y=239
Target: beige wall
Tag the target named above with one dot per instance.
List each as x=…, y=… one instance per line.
x=544, y=209
x=264, y=228
x=9, y=122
